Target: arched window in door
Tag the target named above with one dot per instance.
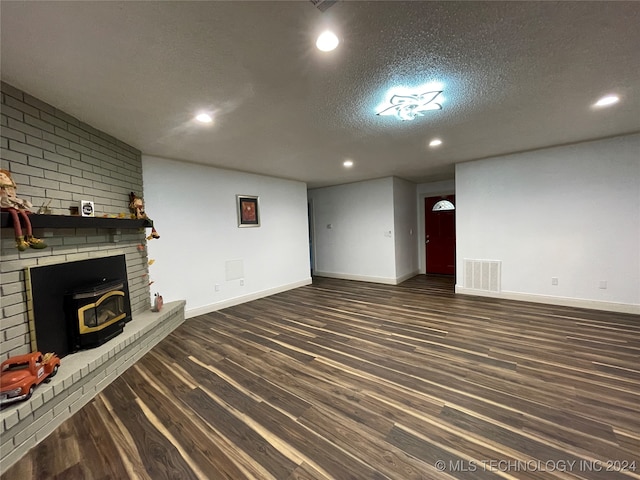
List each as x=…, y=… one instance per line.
x=442, y=206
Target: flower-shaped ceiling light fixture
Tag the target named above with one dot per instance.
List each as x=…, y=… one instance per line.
x=411, y=105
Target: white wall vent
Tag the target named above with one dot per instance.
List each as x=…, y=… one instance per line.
x=482, y=274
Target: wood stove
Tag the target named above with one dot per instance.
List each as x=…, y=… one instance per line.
x=96, y=313
x=77, y=305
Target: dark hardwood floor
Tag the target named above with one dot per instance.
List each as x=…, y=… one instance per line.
x=349, y=380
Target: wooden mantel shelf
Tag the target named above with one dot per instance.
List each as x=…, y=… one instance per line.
x=75, y=221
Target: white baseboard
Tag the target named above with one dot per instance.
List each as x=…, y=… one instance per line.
x=212, y=307
x=407, y=276
x=562, y=301
x=367, y=278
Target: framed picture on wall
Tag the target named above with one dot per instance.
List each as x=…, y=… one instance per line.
x=248, y=211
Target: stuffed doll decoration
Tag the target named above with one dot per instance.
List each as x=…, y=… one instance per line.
x=19, y=210
x=136, y=205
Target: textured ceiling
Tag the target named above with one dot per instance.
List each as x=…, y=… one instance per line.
x=516, y=76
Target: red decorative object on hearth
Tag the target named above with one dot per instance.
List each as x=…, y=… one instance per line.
x=23, y=373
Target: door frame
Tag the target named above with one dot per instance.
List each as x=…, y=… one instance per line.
x=422, y=256
x=312, y=236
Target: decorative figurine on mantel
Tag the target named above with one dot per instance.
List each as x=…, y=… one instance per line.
x=19, y=210
x=136, y=205
x=44, y=209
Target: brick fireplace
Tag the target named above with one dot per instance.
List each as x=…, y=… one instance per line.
x=55, y=157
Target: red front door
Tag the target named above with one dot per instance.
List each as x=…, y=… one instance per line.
x=440, y=236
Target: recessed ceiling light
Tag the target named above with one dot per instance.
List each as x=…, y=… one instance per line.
x=606, y=101
x=348, y=163
x=435, y=142
x=327, y=41
x=204, y=118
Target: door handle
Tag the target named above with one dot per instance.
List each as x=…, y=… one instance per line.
x=427, y=241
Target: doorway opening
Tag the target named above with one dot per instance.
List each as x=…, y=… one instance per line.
x=440, y=235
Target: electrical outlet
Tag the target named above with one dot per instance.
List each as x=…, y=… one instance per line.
x=603, y=284
x=554, y=280
x=217, y=287
x=242, y=282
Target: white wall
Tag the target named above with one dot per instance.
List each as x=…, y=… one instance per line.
x=569, y=212
x=425, y=190
x=405, y=227
x=359, y=245
x=194, y=210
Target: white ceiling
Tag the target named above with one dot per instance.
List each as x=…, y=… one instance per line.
x=517, y=76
